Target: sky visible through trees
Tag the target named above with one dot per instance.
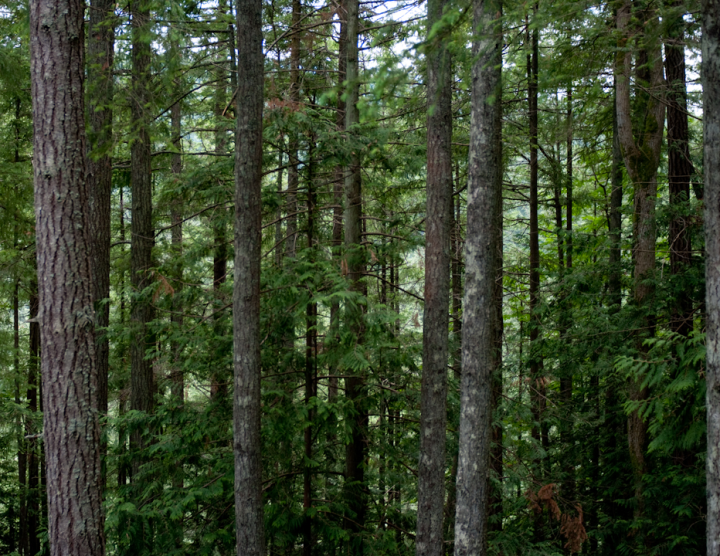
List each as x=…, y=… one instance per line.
x=309, y=277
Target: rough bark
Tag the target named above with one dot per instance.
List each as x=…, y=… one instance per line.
x=680, y=166
x=100, y=57
x=71, y=432
x=246, y=288
x=142, y=238
x=640, y=147
x=711, y=128
x=480, y=260
x=439, y=188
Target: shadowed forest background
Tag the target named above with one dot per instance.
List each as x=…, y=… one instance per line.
x=598, y=389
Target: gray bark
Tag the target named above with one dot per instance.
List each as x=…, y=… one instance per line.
x=480, y=260
x=246, y=289
x=711, y=127
x=64, y=245
x=433, y=396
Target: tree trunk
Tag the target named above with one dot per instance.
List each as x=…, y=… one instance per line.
x=19, y=429
x=537, y=386
x=480, y=272
x=293, y=162
x=433, y=396
x=615, y=219
x=711, y=128
x=641, y=152
x=337, y=228
x=495, y=494
x=246, y=288
x=354, y=258
x=220, y=378
x=33, y=501
x=310, y=363
x=680, y=167
x=177, y=377
x=142, y=239
x=100, y=53
x=71, y=432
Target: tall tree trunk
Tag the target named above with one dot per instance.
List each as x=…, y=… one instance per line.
x=711, y=129
x=337, y=228
x=19, y=429
x=480, y=259
x=142, y=239
x=33, y=501
x=641, y=152
x=615, y=217
x=71, y=432
x=566, y=381
x=680, y=167
x=495, y=494
x=354, y=260
x=177, y=376
x=220, y=378
x=310, y=362
x=293, y=166
x=246, y=288
x=100, y=57
x=537, y=381
x=433, y=396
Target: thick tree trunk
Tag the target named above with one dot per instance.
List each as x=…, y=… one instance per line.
x=355, y=261
x=142, y=240
x=246, y=289
x=711, y=128
x=680, y=167
x=100, y=56
x=641, y=152
x=480, y=272
x=433, y=396
x=71, y=433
